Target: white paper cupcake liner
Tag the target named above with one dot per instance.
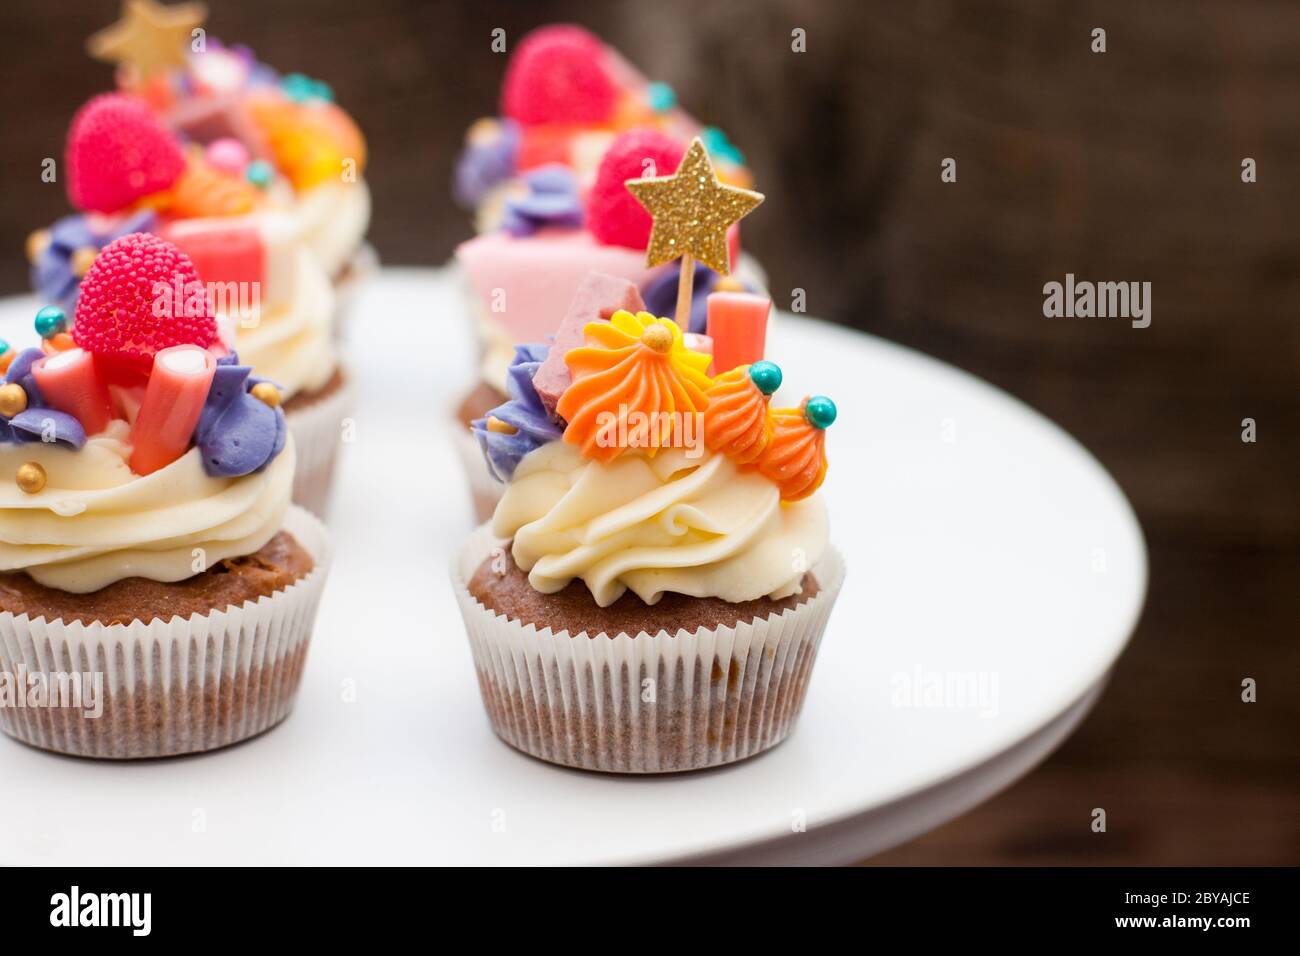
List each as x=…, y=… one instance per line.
x=347, y=288
x=484, y=490
x=317, y=431
x=170, y=687
x=644, y=704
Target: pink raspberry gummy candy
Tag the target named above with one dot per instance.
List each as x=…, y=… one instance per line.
x=613, y=214
x=142, y=295
x=558, y=75
x=117, y=153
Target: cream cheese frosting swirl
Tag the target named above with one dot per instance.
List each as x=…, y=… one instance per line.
x=334, y=217
x=293, y=345
x=97, y=522
x=680, y=521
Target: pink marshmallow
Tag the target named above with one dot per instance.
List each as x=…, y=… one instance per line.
x=738, y=327
x=178, y=387
x=598, y=297
x=70, y=382
x=229, y=155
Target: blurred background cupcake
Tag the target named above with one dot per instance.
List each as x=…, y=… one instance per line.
x=251, y=122
x=180, y=153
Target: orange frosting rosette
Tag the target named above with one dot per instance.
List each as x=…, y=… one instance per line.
x=736, y=422
x=203, y=190
x=795, y=458
x=632, y=384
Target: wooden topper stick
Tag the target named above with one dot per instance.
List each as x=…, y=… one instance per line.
x=685, y=288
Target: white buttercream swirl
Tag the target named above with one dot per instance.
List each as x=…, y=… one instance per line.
x=96, y=521
x=691, y=525
x=334, y=217
x=293, y=345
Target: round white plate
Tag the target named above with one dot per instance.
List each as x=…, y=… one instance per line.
x=995, y=573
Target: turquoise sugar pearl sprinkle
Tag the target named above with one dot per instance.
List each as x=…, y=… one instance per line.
x=720, y=147
x=50, y=321
x=259, y=173
x=767, y=376
x=820, y=411
x=301, y=88
x=661, y=97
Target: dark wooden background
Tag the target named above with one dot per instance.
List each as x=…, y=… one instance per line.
x=1119, y=166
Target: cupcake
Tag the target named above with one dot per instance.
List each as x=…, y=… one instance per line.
x=545, y=184
x=127, y=171
x=157, y=588
x=651, y=591
x=252, y=122
x=654, y=584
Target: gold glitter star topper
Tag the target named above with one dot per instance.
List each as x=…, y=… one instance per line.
x=149, y=37
x=692, y=212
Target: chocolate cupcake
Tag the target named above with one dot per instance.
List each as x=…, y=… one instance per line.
x=656, y=579
x=157, y=589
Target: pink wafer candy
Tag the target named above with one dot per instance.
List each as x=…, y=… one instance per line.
x=70, y=382
x=738, y=327
x=178, y=387
x=599, y=296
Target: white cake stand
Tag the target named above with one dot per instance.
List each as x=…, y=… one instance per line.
x=995, y=574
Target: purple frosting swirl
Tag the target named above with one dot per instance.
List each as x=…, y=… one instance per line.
x=551, y=200
x=485, y=164
x=37, y=422
x=237, y=434
x=660, y=294
x=524, y=412
x=52, y=275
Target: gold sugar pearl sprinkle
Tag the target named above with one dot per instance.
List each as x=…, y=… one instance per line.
x=31, y=477
x=657, y=337
x=37, y=243
x=82, y=260
x=266, y=393
x=495, y=424
x=12, y=400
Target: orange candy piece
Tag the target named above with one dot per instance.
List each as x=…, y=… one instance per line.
x=736, y=422
x=205, y=191
x=795, y=459
x=310, y=141
x=57, y=343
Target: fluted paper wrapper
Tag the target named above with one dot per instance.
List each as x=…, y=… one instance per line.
x=347, y=288
x=317, y=433
x=172, y=687
x=644, y=704
x=484, y=490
